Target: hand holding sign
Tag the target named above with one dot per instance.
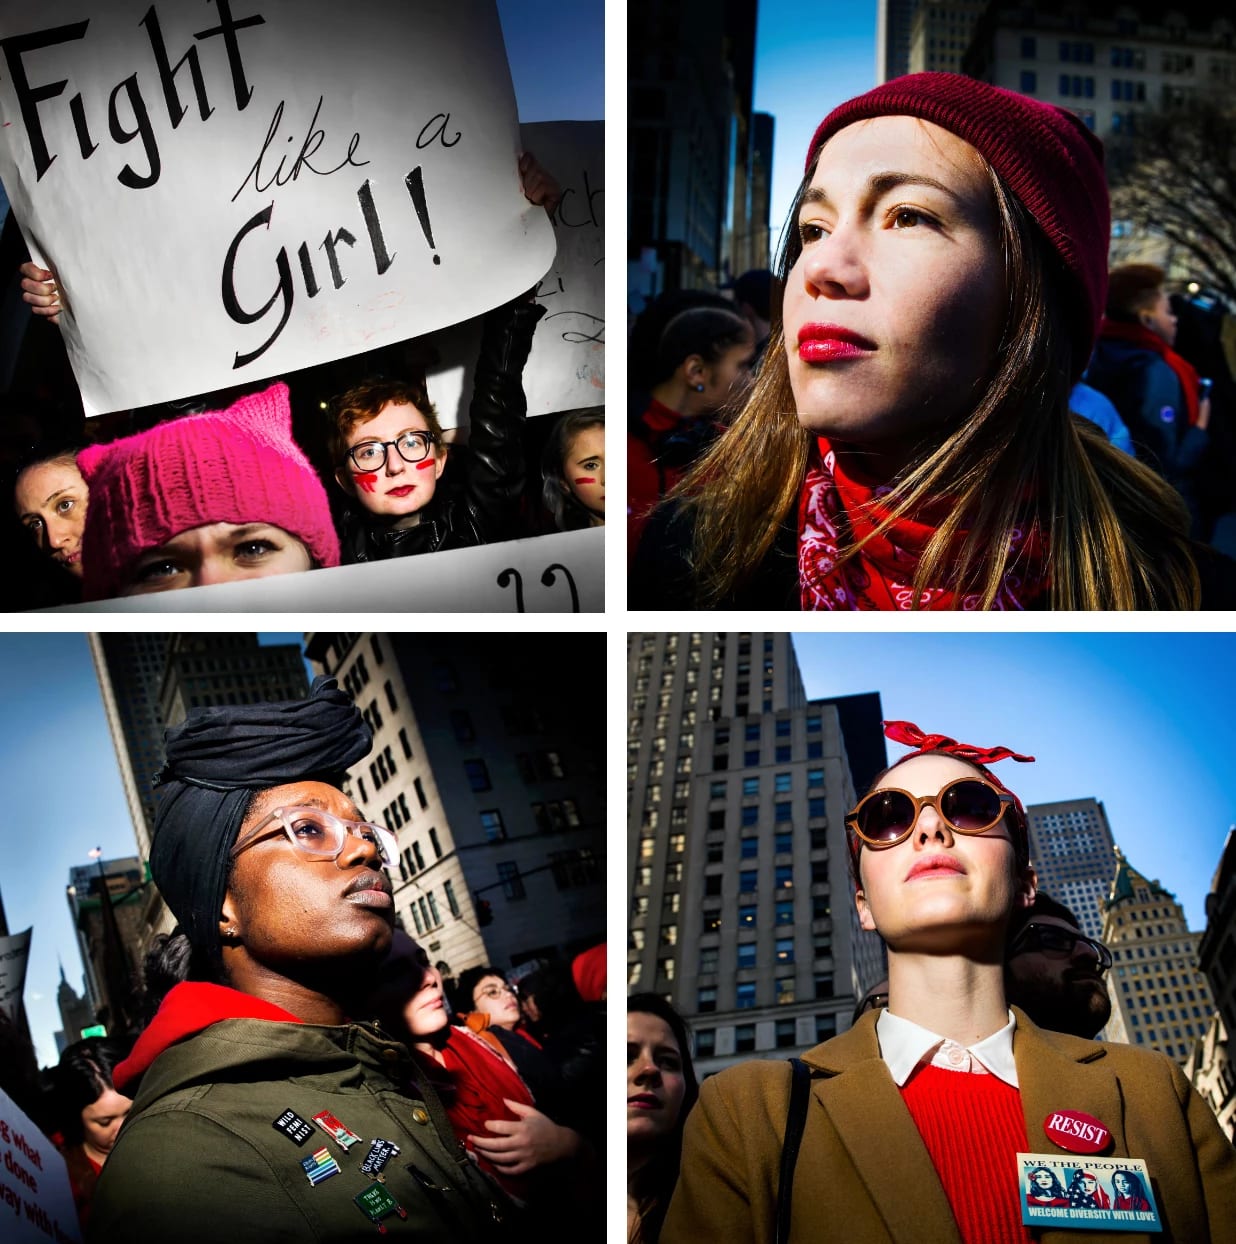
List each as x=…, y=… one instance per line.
x=301, y=180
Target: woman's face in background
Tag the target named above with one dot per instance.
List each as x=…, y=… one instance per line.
x=656, y=1084
x=894, y=309
x=50, y=499
x=583, y=469
x=101, y=1120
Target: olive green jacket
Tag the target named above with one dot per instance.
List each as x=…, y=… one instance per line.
x=199, y=1159
x=864, y=1175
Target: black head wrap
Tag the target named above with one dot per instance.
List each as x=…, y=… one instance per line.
x=216, y=759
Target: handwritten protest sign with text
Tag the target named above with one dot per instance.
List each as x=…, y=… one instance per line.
x=567, y=367
x=36, y=1204
x=14, y=954
x=229, y=190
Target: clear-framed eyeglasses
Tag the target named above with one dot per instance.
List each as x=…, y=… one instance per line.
x=412, y=446
x=319, y=835
x=494, y=992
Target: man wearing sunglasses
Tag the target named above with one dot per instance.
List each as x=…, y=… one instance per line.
x=1054, y=972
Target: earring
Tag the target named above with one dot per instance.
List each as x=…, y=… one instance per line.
x=699, y=388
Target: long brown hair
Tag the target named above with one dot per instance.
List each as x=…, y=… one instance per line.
x=1115, y=533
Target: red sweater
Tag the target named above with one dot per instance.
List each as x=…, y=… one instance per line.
x=973, y=1128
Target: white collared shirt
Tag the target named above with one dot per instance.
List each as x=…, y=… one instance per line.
x=904, y=1045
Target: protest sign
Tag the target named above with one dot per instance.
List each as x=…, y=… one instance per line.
x=562, y=573
x=14, y=952
x=233, y=190
x=566, y=369
x=36, y=1202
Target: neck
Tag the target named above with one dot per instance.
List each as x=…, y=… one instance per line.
x=95, y=1155
x=676, y=394
x=638, y=1157
x=312, y=1003
x=954, y=995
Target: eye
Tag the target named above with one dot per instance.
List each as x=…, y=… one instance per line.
x=254, y=550
x=909, y=217
x=33, y=525
x=367, y=452
x=153, y=571
x=668, y=1062
x=810, y=231
x=309, y=829
x=593, y=464
x=65, y=504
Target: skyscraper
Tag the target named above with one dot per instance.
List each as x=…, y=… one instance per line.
x=1072, y=850
x=1159, y=996
x=738, y=788
x=487, y=764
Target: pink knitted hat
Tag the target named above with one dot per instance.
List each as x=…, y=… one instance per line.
x=1051, y=161
x=238, y=465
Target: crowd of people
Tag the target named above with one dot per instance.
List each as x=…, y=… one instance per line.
x=917, y=433
x=238, y=485
x=948, y=1081
x=288, y=1020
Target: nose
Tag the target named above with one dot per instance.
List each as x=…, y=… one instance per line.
x=834, y=267
x=1083, y=951
x=395, y=464
x=931, y=827
x=648, y=1072
x=210, y=570
x=58, y=533
x=357, y=850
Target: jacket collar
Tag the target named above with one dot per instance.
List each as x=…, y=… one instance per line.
x=865, y=1108
x=188, y=1008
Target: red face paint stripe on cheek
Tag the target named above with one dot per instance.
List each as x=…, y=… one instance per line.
x=366, y=483
x=586, y=479
x=426, y=464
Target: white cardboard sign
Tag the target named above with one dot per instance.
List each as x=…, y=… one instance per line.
x=229, y=190
x=562, y=573
x=36, y=1202
x=14, y=955
x=566, y=368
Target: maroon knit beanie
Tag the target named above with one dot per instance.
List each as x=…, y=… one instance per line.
x=1050, y=160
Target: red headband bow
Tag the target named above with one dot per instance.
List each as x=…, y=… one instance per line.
x=908, y=733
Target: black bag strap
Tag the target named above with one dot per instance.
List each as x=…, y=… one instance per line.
x=795, y=1121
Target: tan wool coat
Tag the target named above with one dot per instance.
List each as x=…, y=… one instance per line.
x=864, y=1175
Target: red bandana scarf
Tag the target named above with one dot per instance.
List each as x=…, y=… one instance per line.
x=836, y=499
x=1136, y=334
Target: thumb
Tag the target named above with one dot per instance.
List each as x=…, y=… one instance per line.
x=519, y=1108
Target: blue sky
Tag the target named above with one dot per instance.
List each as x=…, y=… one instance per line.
x=1141, y=722
x=807, y=61
x=62, y=798
x=557, y=58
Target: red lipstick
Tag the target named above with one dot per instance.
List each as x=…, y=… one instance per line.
x=936, y=866
x=401, y=491
x=830, y=343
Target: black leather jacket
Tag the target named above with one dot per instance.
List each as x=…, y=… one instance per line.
x=477, y=498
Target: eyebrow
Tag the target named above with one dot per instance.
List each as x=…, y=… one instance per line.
x=879, y=184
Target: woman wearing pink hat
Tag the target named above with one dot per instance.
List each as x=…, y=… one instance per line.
x=908, y=443
x=203, y=499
